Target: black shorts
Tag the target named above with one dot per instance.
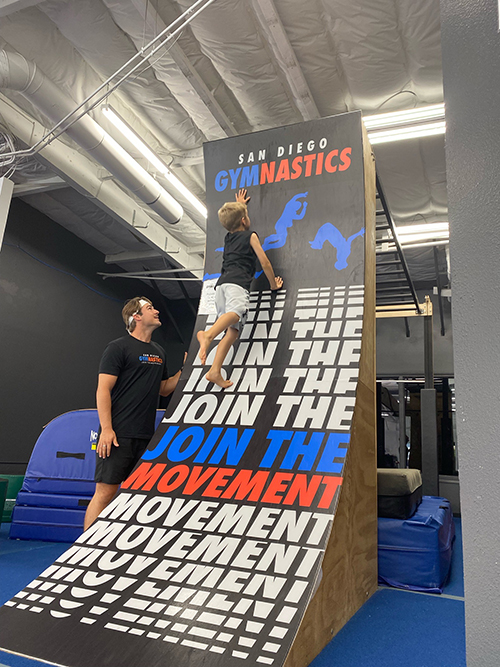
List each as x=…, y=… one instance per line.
x=119, y=464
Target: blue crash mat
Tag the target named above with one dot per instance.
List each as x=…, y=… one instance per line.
x=416, y=553
x=53, y=500
x=59, y=486
x=64, y=448
x=59, y=481
x=46, y=523
x=63, y=460
x=45, y=533
x=49, y=515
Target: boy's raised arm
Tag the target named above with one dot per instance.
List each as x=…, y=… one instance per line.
x=242, y=196
x=275, y=282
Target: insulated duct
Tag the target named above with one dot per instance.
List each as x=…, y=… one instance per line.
x=17, y=73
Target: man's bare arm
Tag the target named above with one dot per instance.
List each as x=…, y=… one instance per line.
x=103, y=399
x=167, y=386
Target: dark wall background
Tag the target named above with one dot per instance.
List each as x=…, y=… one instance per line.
x=53, y=328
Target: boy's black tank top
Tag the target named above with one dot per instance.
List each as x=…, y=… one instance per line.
x=239, y=260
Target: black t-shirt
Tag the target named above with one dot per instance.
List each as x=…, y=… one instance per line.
x=239, y=260
x=140, y=368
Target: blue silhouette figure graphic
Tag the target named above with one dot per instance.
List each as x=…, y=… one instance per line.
x=329, y=232
x=294, y=210
x=210, y=276
x=291, y=213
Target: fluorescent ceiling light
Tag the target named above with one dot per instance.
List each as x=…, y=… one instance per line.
x=399, y=134
x=160, y=166
x=408, y=124
x=395, y=118
x=427, y=227
x=404, y=240
x=419, y=236
x=432, y=231
x=425, y=244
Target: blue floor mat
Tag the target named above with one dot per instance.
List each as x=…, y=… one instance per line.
x=23, y=561
x=10, y=660
x=20, y=563
x=455, y=584
x=398, y=628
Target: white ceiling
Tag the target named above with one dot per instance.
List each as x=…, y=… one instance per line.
x=240, y=66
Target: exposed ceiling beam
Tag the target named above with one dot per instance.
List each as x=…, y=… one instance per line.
x=39, y=185
x=286, y=58
x=86, y=176
x=194, y=81
x=146, y=272
x=187, y=158
x=197, y=250
x=131, y=256
x=10, y=6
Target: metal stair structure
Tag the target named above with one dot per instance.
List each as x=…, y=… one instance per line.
x=395, y=294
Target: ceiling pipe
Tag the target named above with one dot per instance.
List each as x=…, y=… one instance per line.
x=17, y=73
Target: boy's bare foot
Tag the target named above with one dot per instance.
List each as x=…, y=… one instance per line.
x=217, y=379
x=204, y=345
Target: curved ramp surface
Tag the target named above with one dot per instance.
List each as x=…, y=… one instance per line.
x=235, y=541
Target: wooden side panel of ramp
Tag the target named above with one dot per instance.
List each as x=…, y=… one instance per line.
x=350, y=561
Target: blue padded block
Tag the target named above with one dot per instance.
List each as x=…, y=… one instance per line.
x=48, y=515
x=416, y=553
x=64, y=453
x=52, y=500
x=64, y=448
x=32, y=531
x=63, y=461
x=56, y=486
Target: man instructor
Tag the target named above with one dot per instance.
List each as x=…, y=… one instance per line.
x=132, y=374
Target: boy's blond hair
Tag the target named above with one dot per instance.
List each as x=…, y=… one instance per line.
x=131, y=308
x=231, y=215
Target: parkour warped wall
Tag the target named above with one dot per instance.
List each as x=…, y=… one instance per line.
x=247, y=533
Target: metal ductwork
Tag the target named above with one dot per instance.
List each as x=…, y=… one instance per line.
x=17, y=73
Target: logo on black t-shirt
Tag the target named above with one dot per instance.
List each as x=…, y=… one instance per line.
x=150, y=359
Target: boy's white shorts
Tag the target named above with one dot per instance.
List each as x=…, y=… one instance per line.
x=231, y=298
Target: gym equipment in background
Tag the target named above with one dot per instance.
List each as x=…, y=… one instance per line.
x=415, y=553
x=59, y=480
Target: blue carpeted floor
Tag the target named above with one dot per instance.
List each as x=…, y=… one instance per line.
x=21, y=562
x=397, y=628
x=394, y=628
